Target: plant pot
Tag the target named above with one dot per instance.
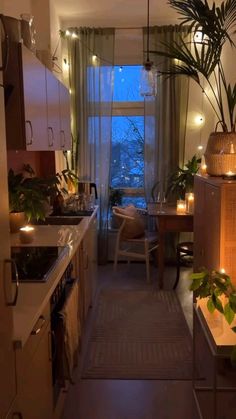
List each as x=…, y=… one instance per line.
x=220, y=153
x=17, y=220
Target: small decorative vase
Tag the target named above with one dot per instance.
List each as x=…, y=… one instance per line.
x=17, y=220
x=220, y=153
x=28, y=31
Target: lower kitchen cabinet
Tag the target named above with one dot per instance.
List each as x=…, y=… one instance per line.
x=34, y=372
x=88, y=267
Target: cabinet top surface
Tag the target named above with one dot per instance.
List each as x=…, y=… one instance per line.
x=33, y=297
x=214, y=180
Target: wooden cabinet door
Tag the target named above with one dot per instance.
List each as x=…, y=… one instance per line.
x=53, y=111
x=212, y=220
x=199, y=226
x=7, y=359
x=34, y=88
x=36, y=390
x=65, y=129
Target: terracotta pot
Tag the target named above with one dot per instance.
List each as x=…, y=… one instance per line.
x=220, y=153
x=17, y=220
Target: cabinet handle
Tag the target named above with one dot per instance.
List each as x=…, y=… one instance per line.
x=6, y=54
x=14, y=300
x=64, y=138
x=37, y=330
x=17, y=415
x=50, y=143
x=31, y=132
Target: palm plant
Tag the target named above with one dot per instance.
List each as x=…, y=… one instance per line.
x=182, y=179
x=201, y=60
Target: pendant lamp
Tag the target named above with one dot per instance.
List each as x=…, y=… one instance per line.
x=148, y=74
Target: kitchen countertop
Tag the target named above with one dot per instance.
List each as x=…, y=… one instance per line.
x=33, y=297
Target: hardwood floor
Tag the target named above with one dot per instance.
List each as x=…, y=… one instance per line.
x=132, y=399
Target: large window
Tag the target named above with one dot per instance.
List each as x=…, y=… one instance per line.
x=127, y=160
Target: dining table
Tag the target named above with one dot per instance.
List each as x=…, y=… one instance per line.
x=168, y=220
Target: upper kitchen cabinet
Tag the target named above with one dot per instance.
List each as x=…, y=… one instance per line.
x=53, y=111
x=65, y=131
x=37, y=104
x=25, y=100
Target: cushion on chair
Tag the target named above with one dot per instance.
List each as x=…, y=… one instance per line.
x=133, y=228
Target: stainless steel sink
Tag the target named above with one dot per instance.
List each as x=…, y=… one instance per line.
x=60, y=220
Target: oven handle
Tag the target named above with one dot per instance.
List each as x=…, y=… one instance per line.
x=14, y=300
x=38, y=330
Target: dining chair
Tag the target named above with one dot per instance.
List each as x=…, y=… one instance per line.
x=133, y=241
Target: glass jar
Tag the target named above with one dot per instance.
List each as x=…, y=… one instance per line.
x=28, y=31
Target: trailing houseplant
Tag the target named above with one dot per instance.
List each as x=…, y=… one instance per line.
x=201, y=60
x=220, y=293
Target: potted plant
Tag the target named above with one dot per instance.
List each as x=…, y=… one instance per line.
x=27, y=198
x=181, y=181
x=220, y=293
x=201, y=60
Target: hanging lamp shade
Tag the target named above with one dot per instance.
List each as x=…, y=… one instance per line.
x=148, y=82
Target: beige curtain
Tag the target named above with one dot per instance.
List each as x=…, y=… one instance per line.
x=165, y=122
x=165, y=115
x=91, y=57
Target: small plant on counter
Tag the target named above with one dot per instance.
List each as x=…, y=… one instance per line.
x=214, y=285
x=27, y=194
x=115, y=197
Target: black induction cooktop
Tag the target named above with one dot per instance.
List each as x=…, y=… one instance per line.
x=35, y=263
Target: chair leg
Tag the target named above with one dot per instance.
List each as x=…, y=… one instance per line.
x=147, y=262
x=116, y=256
x=177, y=270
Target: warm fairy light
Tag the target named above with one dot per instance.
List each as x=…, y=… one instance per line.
x=200, y=147
x=74, y=35
x=94, y=57
x=199, y=119
x=222, y=271
x=67, y=33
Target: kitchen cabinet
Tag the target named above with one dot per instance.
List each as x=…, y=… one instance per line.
x=25, y=99
x=37, y=104
x=65, y=130
x=34, y=372
x=7, y=356
x=53, y=111
x=215, y=224
x=88, y=267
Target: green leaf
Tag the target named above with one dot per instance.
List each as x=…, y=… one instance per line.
x=217, y=303
x=210, y=305
x=195, y=284
x=229, y=313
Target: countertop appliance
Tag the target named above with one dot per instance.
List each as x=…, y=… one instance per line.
x=34, y=263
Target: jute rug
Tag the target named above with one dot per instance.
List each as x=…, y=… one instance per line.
x=139, y=335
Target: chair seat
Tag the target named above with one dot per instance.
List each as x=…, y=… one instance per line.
x=150, y=236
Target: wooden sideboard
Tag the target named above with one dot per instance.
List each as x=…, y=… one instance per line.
x=215, y=224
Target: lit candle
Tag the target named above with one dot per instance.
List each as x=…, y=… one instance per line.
x=181, y=206
x=27, y=234
x=203, y=169
x=189, y=198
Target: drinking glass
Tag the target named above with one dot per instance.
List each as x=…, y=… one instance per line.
x=161, y=199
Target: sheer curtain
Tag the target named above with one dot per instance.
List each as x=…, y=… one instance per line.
x=91, y=56
x=165, y=115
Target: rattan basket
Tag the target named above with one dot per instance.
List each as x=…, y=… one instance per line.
x=220, y=153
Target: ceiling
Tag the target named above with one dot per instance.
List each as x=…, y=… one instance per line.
x=114, y=13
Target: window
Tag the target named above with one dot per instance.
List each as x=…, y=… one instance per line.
x=127, y=157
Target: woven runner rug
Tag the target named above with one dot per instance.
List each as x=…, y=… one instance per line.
x=139, y=335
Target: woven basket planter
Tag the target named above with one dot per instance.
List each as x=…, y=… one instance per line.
x=218, y=158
